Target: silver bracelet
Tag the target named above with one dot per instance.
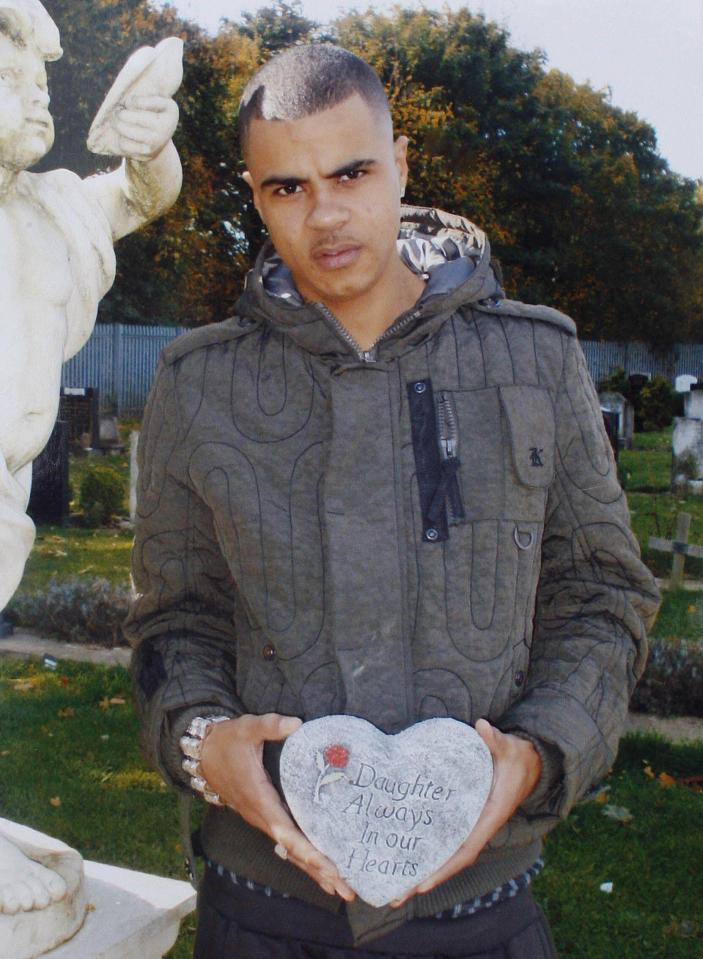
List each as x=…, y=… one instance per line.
x=192, y=748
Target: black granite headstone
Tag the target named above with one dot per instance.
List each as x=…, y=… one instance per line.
x=49, y=500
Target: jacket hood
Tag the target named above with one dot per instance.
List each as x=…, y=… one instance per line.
x=450, y=252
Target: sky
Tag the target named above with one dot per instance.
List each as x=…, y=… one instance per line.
x=647, y=53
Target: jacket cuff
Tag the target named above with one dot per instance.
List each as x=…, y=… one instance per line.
x=541, y=801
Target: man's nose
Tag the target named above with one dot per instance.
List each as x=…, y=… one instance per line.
x=327, y=211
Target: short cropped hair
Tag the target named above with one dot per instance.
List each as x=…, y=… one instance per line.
x=304, y=80
x=26, y=23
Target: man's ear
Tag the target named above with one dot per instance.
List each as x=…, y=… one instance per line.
x=400, y=149
x=249, y=180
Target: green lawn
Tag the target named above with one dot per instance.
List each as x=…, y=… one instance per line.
x=69, y=765
x=72, y=552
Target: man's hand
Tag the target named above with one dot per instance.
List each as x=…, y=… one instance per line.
x=232, y=763
x=144, y=126
x=516, y=771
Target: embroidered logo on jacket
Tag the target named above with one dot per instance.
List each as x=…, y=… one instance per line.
x=536, y=456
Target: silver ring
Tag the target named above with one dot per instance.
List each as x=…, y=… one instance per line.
x=280, y=850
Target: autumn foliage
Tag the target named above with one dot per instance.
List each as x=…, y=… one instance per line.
x=580, y=208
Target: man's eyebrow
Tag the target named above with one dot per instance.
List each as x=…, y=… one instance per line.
x=350, y=167
x=279, y=180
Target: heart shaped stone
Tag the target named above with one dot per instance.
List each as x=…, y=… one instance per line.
x=387, y=810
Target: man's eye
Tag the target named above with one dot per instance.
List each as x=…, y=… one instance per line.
x=351, y=175
x=288, y=189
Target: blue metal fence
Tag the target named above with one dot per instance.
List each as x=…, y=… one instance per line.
x=120, y=361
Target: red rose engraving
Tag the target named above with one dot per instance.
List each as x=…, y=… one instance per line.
x=336, y=756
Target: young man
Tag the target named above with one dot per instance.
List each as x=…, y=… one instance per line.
x=381, y=489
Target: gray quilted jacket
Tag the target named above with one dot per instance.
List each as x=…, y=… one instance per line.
x=430, y=528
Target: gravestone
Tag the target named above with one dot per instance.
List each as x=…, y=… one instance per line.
x=693, y=403
x=79, y=407
x=50, y=497
x=110, y=440
x=684, y=382
x=387, y=810
x=622, y=410
x=687, y=443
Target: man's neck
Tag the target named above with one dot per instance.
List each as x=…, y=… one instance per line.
x=368, y=319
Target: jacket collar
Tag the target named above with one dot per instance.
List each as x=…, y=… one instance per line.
x=450, y=251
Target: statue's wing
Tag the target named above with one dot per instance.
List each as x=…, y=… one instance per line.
x=151, y=71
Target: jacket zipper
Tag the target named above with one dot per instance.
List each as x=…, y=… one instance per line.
x=370, y=355
x=447, y=426
x=448, y=436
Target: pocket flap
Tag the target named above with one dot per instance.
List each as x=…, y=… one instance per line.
x=530, y=414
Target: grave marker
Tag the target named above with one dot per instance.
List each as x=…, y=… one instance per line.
x=680, y=547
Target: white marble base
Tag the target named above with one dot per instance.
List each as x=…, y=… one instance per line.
x=132, y=915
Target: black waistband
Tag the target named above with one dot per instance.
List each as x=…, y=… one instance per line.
x=295, y=919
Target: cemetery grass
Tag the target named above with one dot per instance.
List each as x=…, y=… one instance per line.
x=70, y=766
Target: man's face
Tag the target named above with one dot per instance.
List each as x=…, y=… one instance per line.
x=328, y=189
x=26, y=127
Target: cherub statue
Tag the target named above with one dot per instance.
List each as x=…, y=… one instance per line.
x=57, y=233
x=56, y=248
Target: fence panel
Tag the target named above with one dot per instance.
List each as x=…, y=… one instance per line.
x=120, y=361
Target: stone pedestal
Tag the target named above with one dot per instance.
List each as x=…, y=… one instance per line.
x=131, y=915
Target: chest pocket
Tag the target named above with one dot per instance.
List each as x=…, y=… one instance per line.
x=529, y=420
x=492, y=562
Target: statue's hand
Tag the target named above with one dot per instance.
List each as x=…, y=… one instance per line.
x=144, y=126
x=138, y=116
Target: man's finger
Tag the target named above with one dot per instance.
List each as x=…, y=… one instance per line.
x=275, y=727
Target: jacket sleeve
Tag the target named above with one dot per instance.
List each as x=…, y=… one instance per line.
x=180, y=624
x=595, y=602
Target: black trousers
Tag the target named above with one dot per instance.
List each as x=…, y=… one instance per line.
x=235, y=923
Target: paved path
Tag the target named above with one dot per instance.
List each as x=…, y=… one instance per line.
x=27, y=645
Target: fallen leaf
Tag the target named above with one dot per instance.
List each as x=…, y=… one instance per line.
x=65, y=712
x=5, y=752
x=602, y=797
x=649, y=772
x=666, y=781
x=64, y=680
x=91, y=907
x=105, y=703
x=618, y=813
x=86, y=569
x=23, y=685
x=693, y=782
x=118, y=701
x=55, y=800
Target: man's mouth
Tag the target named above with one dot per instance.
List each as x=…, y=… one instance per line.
x=337, y=257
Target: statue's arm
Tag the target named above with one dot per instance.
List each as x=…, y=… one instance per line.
x=149, y=180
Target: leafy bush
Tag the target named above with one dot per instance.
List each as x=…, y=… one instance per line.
x=77, y=610
x=615, y=382
x=672, y=684
x=656, y=404
x=101, y=495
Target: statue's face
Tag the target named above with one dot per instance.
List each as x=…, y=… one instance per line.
x=26, y=127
